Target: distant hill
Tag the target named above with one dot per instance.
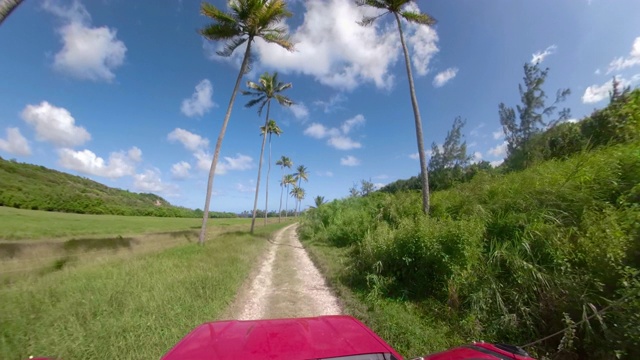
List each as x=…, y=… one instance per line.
x=34, y=187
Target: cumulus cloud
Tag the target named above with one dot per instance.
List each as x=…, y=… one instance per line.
x=622, y=63
x=498, y=134
x=476, y=158
x=499, y=150
x=349, y=161
x=180, y=170
x=55, y=125
x=90, y=53
x=135, y=154
x=339, y=53
x=444, y=77
x=15, y=143
x=200, y=101
x=337, y=137
x=414, y=156
x=497, y=163
x=227, y=163
x=189, y=140
x=538, y=57
x=299, y=110
x=86, y=161
x=597, y=93
x=150, y=181
x=332, y=104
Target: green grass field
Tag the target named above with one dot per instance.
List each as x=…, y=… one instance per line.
x=134, y=308
x=20, y=224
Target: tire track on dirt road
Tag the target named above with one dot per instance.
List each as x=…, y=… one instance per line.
x=286, y=285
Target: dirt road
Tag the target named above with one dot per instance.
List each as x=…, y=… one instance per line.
x=287, y=284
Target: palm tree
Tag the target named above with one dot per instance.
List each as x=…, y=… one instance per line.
x=6, y=7
x=289, y=179
x=318, y=201
x=398, y=9
x=270, y=129
x=247, y=20
x=302, y=174
x=283, y=162
x=267, y=88
x=298, y=193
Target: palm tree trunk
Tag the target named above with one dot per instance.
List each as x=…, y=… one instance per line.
x=281, y=191
x=266, y=201
x=216, y=153
x=286, y=205
x=6, y=7
x=264, y=141
x=418, y=121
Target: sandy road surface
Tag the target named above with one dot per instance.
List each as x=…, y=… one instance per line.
x=287, y=284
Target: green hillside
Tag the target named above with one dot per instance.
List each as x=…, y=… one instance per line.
x=27, y=186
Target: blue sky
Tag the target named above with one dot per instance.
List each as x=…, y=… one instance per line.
x=130, y=95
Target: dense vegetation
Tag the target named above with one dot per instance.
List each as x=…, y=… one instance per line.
x=513, y=257
x=26, y=186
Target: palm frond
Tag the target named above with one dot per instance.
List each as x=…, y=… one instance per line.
x=213, y=12
x=373, y=3
x=231, y=46
x=218, y=31
x=283, y=100
x=253, y=102
x=279, y=39
x=368, y=20
x=418, y=18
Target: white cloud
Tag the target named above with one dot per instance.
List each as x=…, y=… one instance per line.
x=633, y=59
x=338, y=52
x=476, y=130
x=476, y=158
x=189, y=140
x=539, y=57
x=597, y=72
x=381, y=176
x=180, y=170
x=378, y=186
x=499, y=150
x=246, y=188
x=239, y=162
x=414, y=156
x=497, y=163
x=135, y=154
x=343, y=143
x=337, y=137
x=351, y=123
x=444, y=77
x=498, y=134
x=299, y=110
x=200, y=101
x=597, y=93
x=55, y=125
x=332, y=104
x=87, y=162
x=87, y=52
x=15, y=143
x=150, y=181
x=349, y=161
x=325, y=173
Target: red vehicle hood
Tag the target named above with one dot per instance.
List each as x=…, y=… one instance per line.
x=300, y=338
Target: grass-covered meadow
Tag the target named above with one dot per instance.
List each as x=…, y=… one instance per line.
x=130, y=308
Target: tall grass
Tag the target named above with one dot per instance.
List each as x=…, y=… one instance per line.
x=510, y=258
x=136, y=308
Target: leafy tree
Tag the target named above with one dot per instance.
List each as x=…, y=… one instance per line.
x=283, y=162
x=267, y=88
x=531, y=115
x=289, y=179
x=399, y=10
x=353, y=191
x=270, y=129
x=247, y=20
x=447, y=164
x=366, y=187
x=298, y=193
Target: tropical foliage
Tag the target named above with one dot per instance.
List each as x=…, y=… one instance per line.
x=246, y=21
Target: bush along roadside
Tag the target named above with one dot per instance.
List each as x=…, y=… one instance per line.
x=509, y=258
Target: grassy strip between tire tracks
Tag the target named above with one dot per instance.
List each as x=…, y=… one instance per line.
x=399, y=323
x=134, y=309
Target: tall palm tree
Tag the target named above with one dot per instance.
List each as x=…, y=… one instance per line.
x=246, y=21
x=270, y=129
x=268, y=87
x=283, y=162
x=399, y=10
x=6, y=7
x=318, y=201
x=289, y=179
x=302, y=174
x=298, y=193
